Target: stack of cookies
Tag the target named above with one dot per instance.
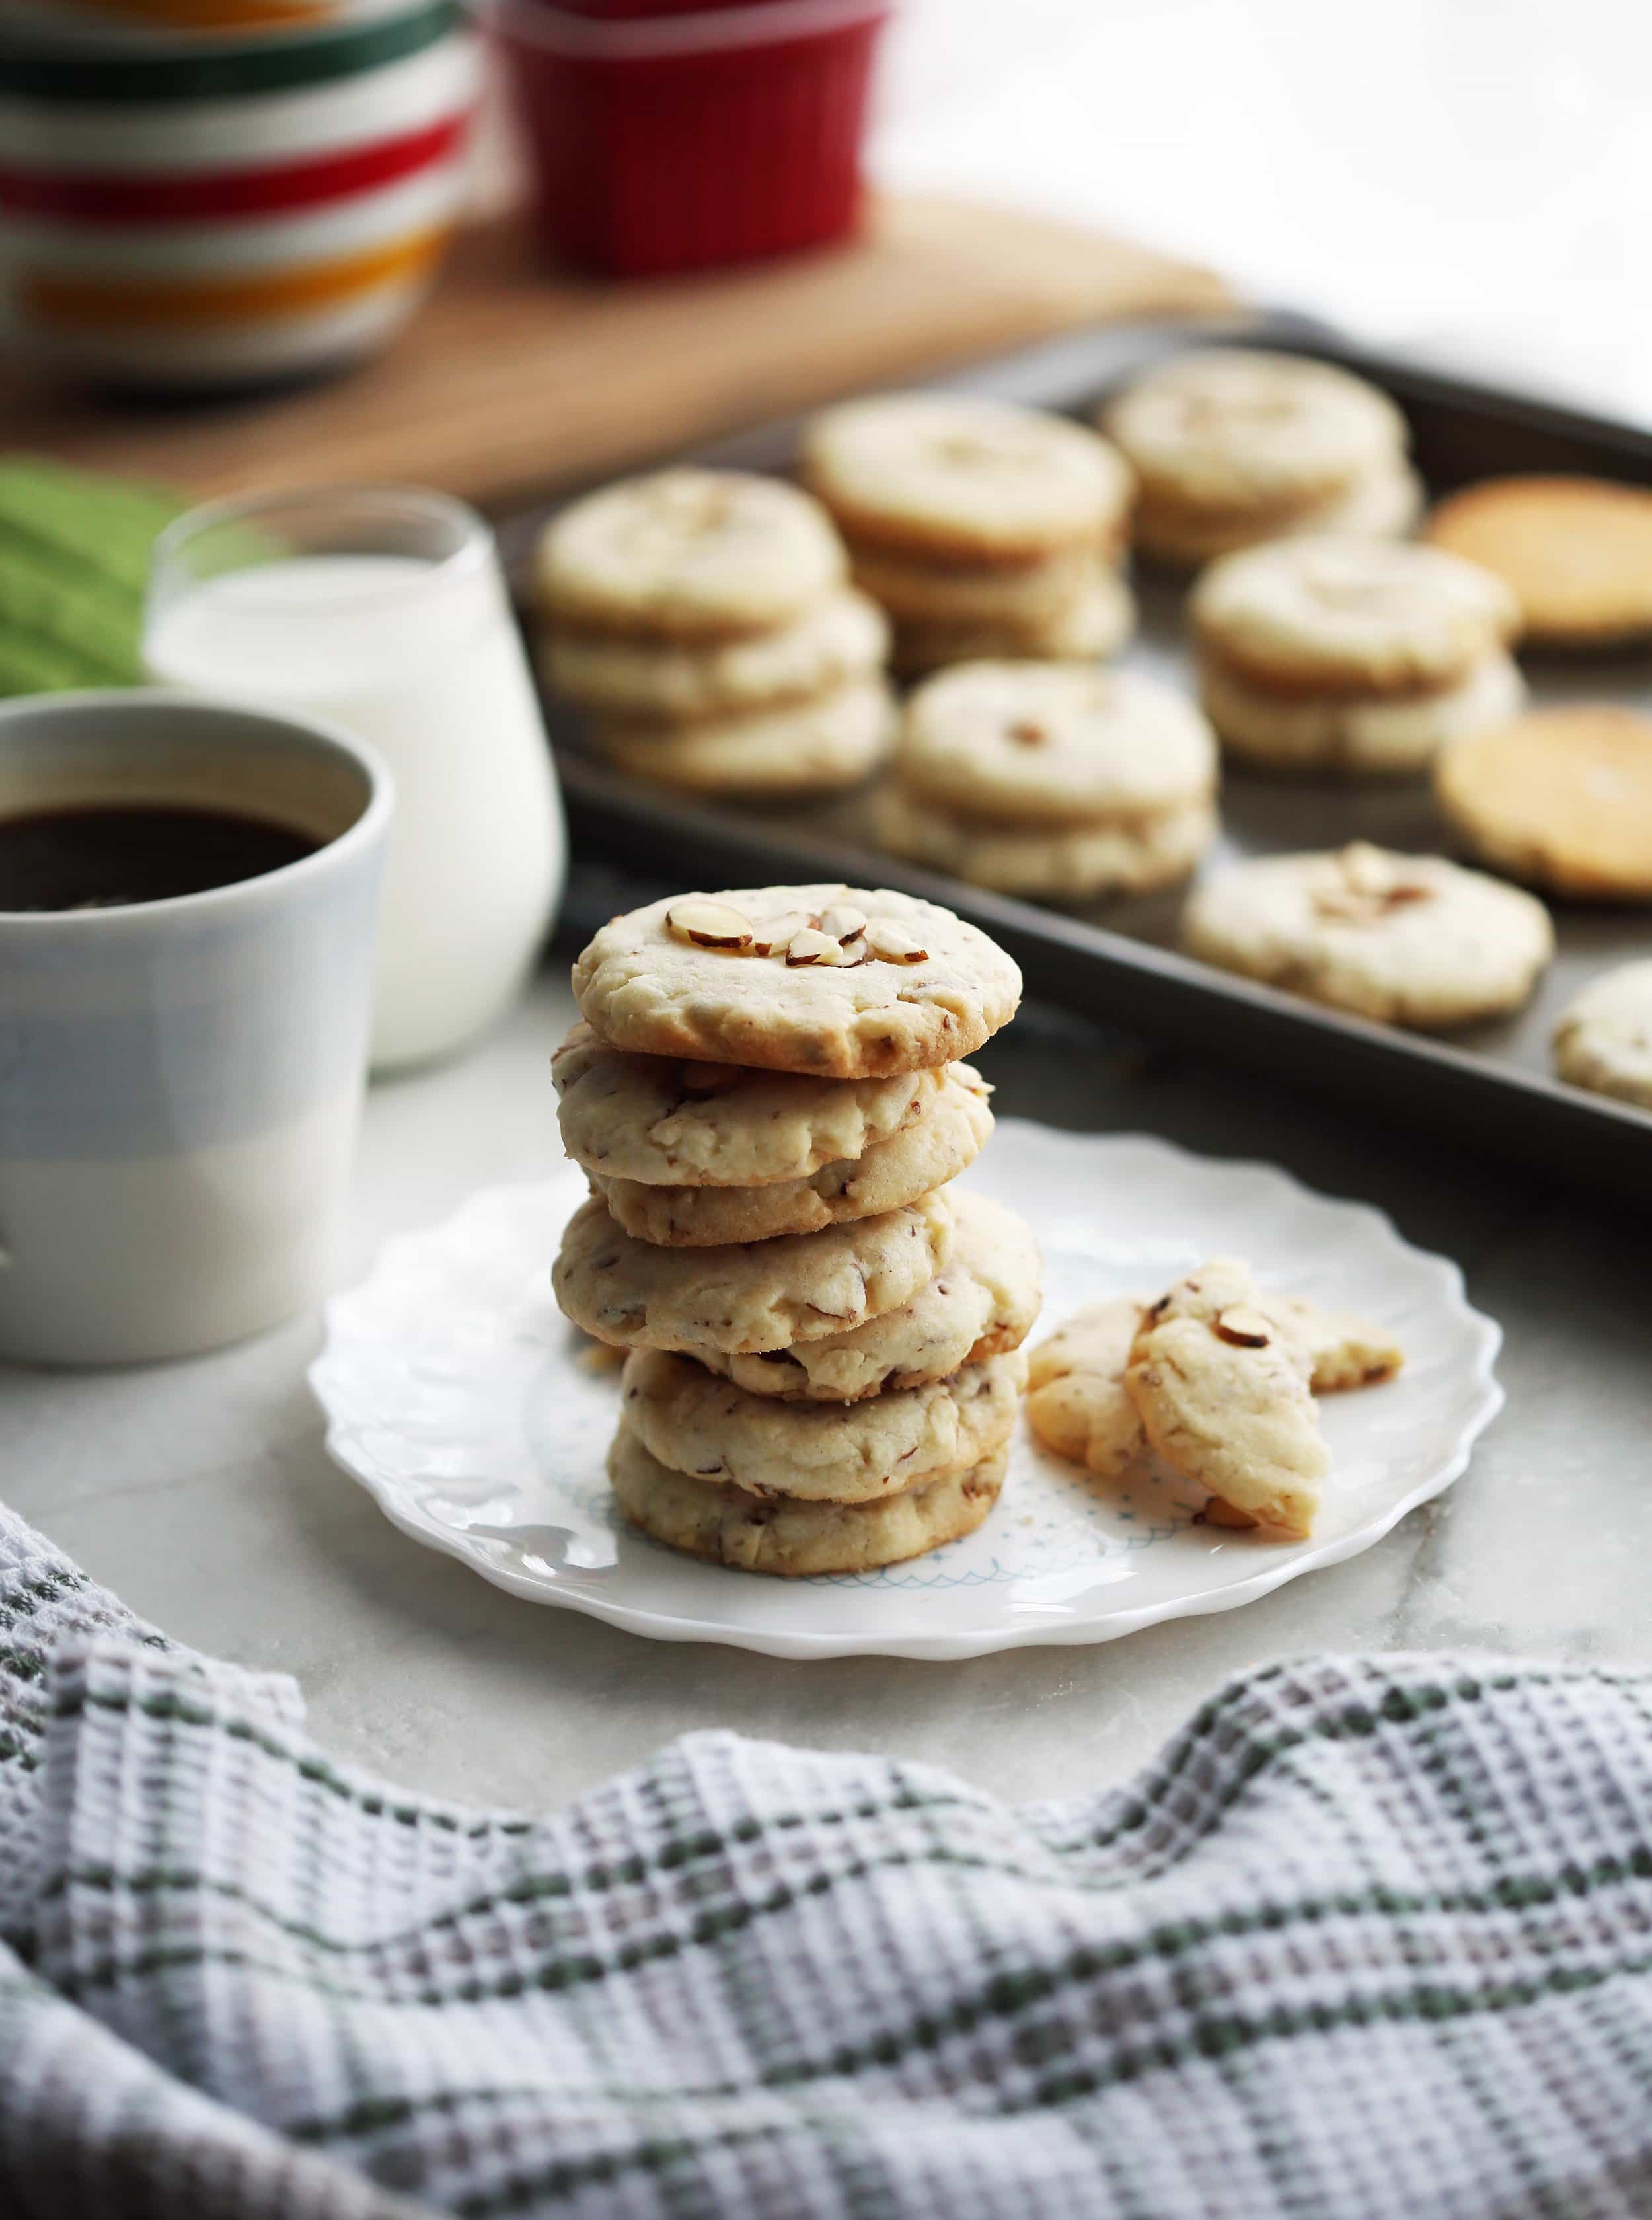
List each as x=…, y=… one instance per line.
x=985, y=530
x=1231, y=446
x=1050, y=780
x=1352, y=657
x=823, y=1365
x=703, y=621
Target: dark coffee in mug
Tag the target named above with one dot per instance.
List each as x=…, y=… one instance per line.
x=107, y=856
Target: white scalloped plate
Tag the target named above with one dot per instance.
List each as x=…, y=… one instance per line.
x=479, y=1419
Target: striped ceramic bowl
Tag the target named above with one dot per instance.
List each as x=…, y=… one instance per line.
x=181, y=208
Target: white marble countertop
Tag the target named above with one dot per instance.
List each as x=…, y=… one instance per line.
x=201, y=1491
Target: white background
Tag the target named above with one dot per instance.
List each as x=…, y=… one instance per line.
x=1470, y=176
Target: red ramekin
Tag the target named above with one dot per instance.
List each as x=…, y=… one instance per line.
x=680, y=141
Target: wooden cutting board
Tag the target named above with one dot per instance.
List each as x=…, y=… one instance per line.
x=514, y=382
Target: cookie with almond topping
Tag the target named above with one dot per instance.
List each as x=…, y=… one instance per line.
x=848, y=982
x=1052, y=745
x=1413, y=940
x=957, y=477
x=688, y=555
x=1222, y=1390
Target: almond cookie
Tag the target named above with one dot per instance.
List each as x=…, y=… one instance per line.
x=708, y=1518
x=845, y=636
x=674, y=1123
x=1322, y=616
x=1344, y=1350
x=882, y=982
x=946, y=474
x=1050, y=744
x=768, y=1295
x=1032, y=593
x=803, y=747
x=981, y=1302
x=694, y=1422
x=940, y=1144
x=1235, y=428
x=1575, y=552
x=1076, y=1398
x=1412, y=940
x=1383, y=504
x=1603, y=1039
x=1076, y=1403
x=1081, y=863
x=1222, y=1392
x=1355, y=735
x=1091, y=629
x=1562, y=797
x=688, y=555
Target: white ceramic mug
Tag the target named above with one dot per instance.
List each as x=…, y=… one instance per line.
x=181, y=1080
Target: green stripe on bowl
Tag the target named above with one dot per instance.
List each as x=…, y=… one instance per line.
x=279, y=64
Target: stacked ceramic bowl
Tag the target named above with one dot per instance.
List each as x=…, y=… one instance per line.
x=223, y=192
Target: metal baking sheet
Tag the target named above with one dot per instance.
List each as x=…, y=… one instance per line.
x=1489, y=1085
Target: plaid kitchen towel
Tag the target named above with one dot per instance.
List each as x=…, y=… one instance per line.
x=1372, y=1937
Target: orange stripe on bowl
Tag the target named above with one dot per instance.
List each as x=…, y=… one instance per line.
x=179, y=302
x=218, y=15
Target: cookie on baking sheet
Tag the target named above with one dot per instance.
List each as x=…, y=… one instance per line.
x=1355, y=735
x=758, y=1534
x=1384, y=504
x=843, y=637
x=688, y=555
x=981, y=1302
x=1076, y=1402
x=1320, y=615
x=766, y=1295
x=884, y=983
x=1236, y=428
x=693, y=1421
x=1575, y=552
x=1049, y=744
x=958, y=594
x=1082, y=863
x=956, y=474
x=817, y=746
x=1093, y=627
x=1412, y=940
x=1603, y=1039
x=924, y=1155
x=674, y=1123
x=1222, y=1391
x=1562, y=797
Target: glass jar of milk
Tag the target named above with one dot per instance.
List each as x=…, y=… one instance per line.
x=383, y=609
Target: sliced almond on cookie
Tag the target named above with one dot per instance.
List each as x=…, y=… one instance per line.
x=811, y=945
x=893, y=944
x=774, y=937
x=843, y=922
x=1243, y=1327
x=710, y=925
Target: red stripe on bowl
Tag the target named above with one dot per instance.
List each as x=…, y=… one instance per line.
x=90, y=198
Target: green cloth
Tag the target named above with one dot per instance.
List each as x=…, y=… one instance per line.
x=74, y=561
